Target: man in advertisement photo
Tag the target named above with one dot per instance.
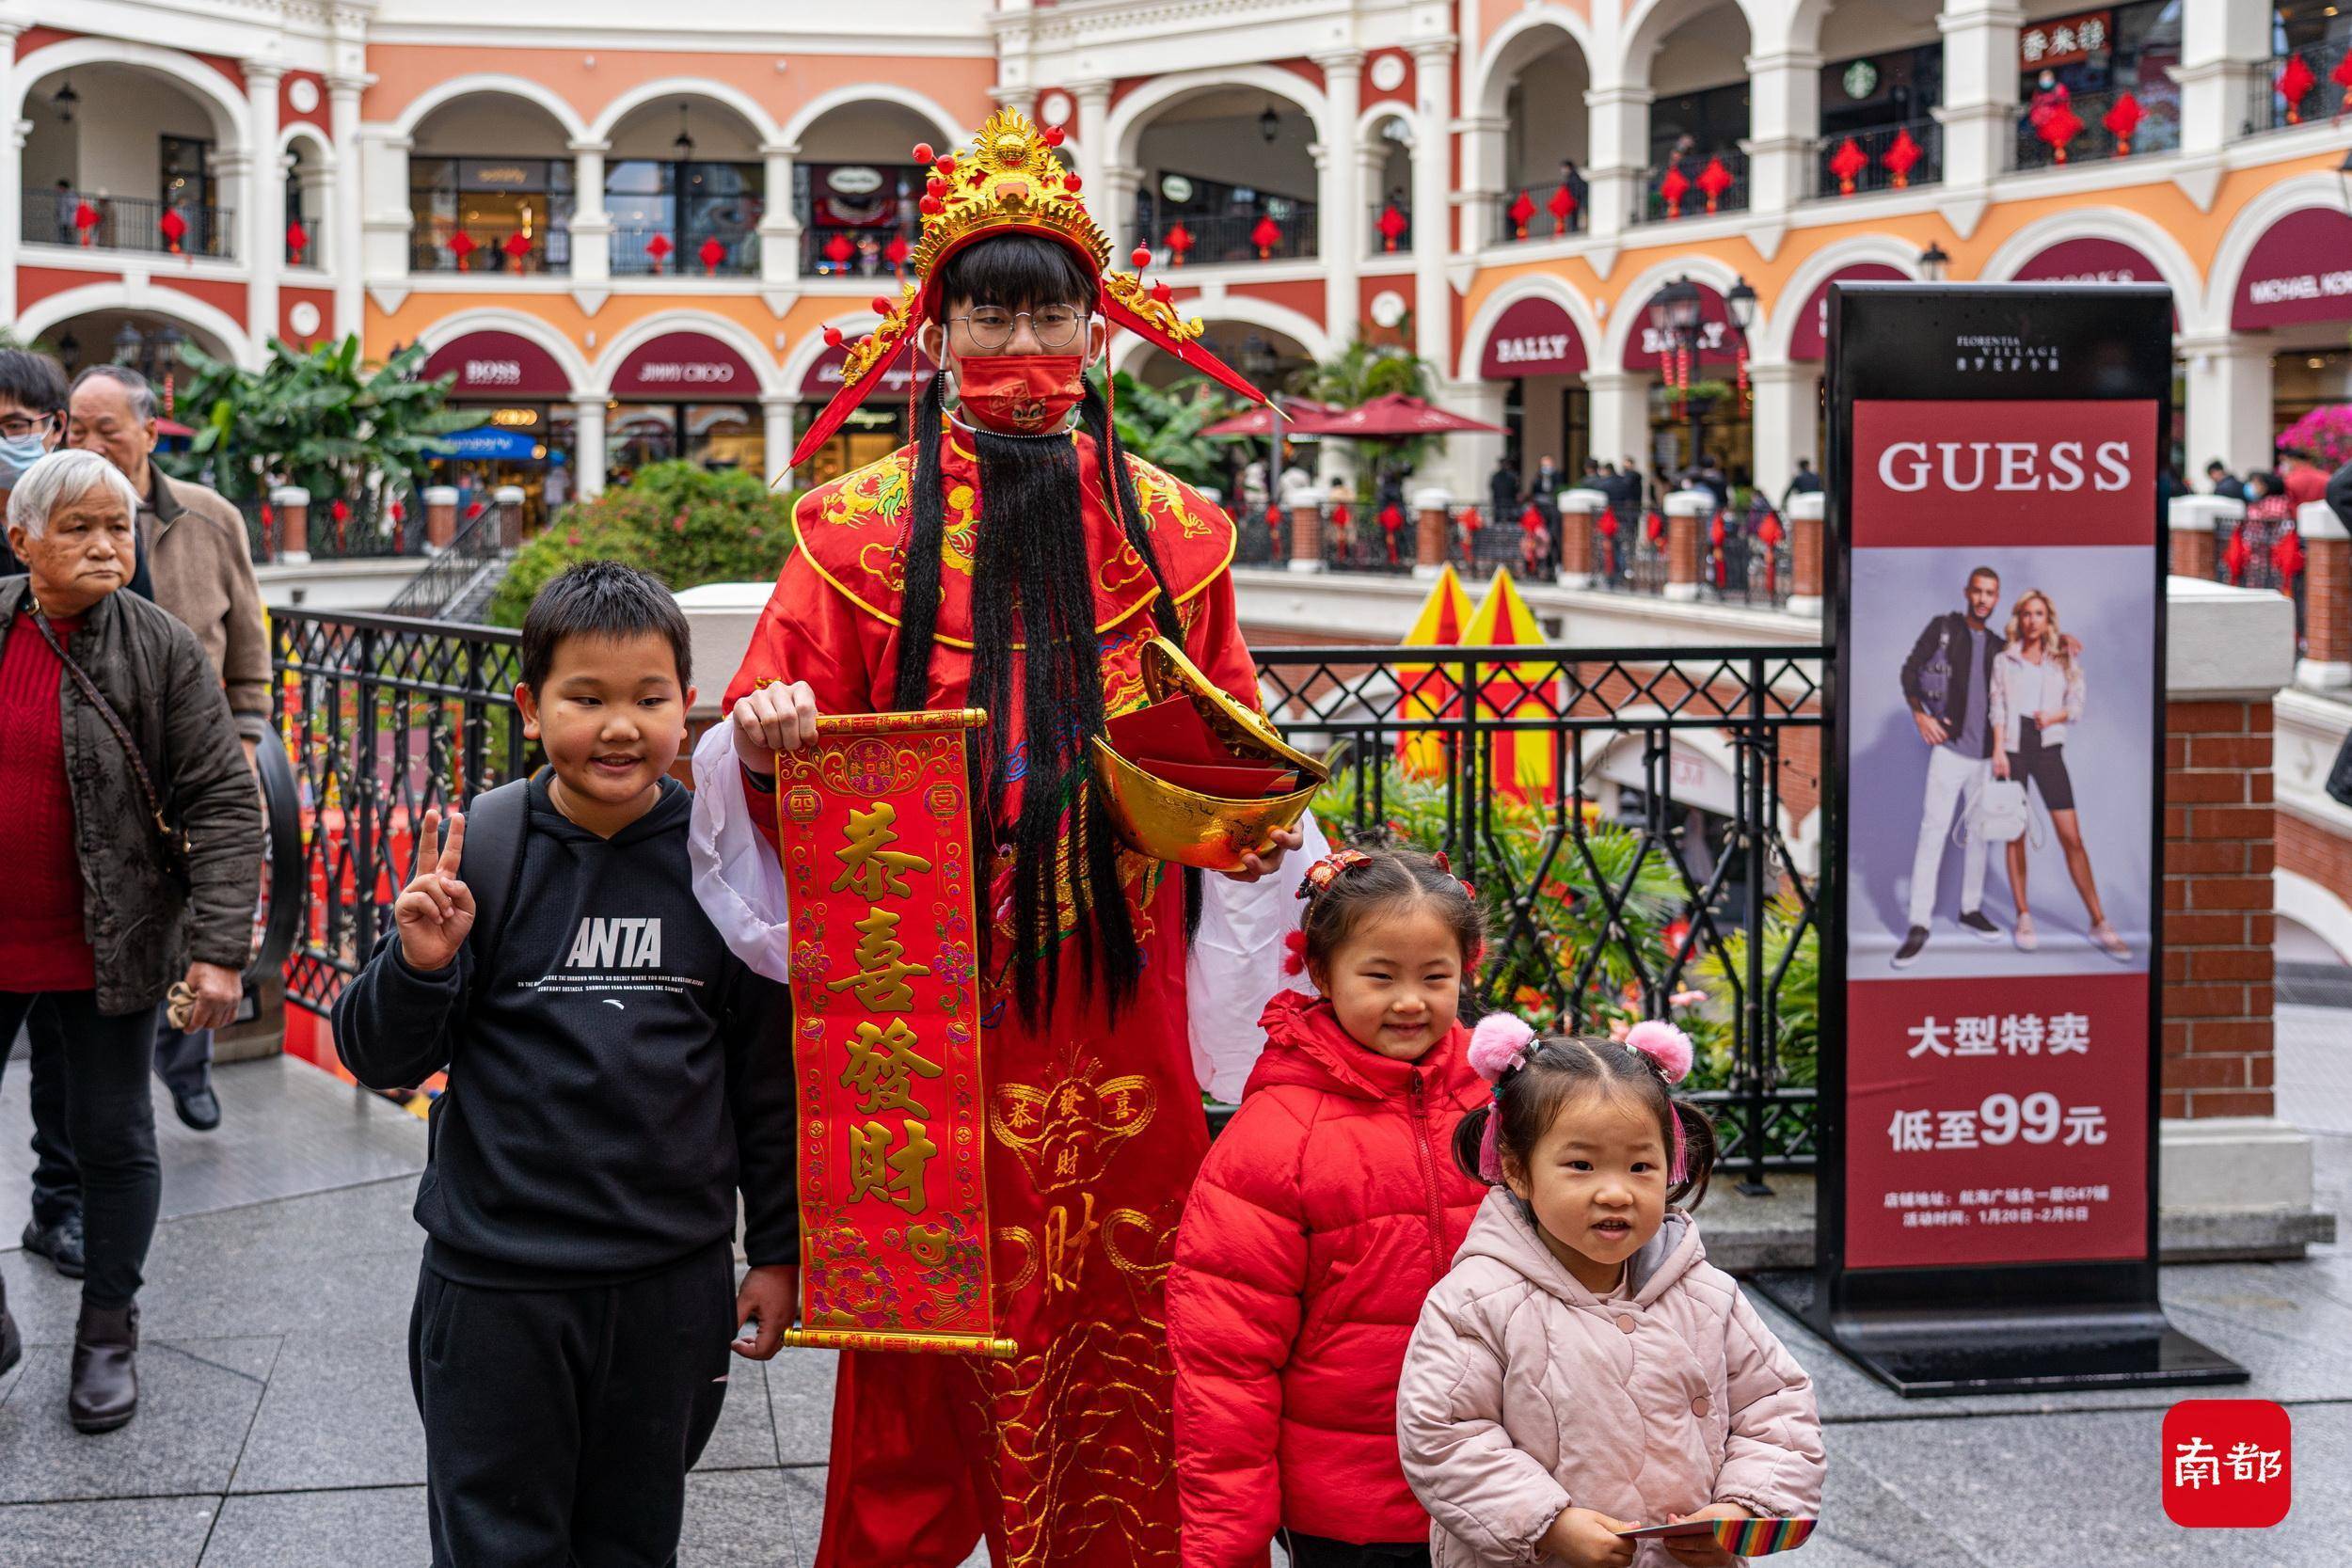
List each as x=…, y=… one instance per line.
x=1947, y=682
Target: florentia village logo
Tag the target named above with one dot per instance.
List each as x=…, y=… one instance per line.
x=2002, y=353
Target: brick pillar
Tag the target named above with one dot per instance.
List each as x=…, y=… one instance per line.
x=1579, y=557
x=1805, y=543
x=1686, y=512
x=2327, y=659
x=440, y=518
x=291, y=505
x=1305, y=509
x=2197, y=524
x=2218, y=849
x=1432, y=517
x=508, y=499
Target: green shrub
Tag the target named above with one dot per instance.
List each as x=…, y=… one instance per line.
x=684, y=523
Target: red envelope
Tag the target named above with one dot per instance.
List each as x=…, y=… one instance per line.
x=1236, y=781
x=1170, y=730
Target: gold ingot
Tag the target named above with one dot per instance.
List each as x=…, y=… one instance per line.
x=1185, y=827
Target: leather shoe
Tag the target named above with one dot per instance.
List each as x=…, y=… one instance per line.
x=11, y=1342
x=199, y=1112
x=105, y=1391
x=61, y=1243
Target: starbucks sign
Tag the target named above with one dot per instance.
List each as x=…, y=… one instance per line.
x=1861, y=79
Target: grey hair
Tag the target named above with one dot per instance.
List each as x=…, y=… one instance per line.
x=60, y=479
x=135, y=386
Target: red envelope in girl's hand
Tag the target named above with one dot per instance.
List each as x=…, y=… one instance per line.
x=1170, y=730
x=1229, y=782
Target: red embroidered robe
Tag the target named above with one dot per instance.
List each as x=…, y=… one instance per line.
x=1063, y=1458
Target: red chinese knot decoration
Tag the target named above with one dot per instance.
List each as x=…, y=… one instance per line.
x=1848, y=163
x=2295, y=83
x=2121, y=118
x=1561, y=207
x=517, y=246
x=1392, y=227
x=896, y=252
x=659, y=247
x=85, y=219
x=173, y=227
x=1266, y=236
x=1672, y=187
x=2058, y=127
x=1714, y=180
x=462, y=246
x=838, y=250
x=1179, y=239
x=1901, y=156
x=710, y=254
x=2341, y=76
x=297, y=241
x=1521, y=212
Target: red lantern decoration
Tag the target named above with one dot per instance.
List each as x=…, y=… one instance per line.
x=2295, y=85
x=85, y=220
x=1521, y=210
x=1532, y=518
x=2235, y=559
x=1674, y=187
x=1848, y=163
x=2121, y=118
x=173, y=227
x=461, y=245
x=1769, y=528
x=1657, y=527
x=517, y=246
x=2287, y=555
x=297, y=241
x=1163, y=291
x=2058, y=127
x=1179, y=239
x=1266, y=236
x=659, y=247
x=1391, y=519
x=896, y=252
x=711, y=253
x=838, y=249
x=2341, y=76
x=1392, y=227
x=1901, y=156
x=1714, y=180
x=1561, y=207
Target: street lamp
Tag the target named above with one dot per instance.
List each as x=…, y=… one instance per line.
x=127, y=344
x=1269, y=125
x=1675, y=312
x=69, y=351
x=1740, y=302
x=1677, y=309
x=66, y=99
x=1933, y=263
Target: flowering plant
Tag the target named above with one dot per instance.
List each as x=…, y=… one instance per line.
x=2326, y=432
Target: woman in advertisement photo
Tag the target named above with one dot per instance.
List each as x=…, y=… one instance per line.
x=2037, y=690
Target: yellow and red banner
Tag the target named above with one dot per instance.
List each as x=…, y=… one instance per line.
x=874, y=825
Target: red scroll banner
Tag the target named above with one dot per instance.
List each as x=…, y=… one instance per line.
x=873, y=822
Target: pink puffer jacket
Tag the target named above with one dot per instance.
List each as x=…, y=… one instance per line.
x=1525, y=1394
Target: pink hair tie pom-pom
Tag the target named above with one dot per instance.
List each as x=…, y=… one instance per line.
x=1667, y=1047
x=1496, y=1044
x=1294, y=953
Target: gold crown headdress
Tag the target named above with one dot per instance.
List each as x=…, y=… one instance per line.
x=1008, y=182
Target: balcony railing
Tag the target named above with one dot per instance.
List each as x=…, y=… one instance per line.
x=1477, y=542
x=2155, y=128
x=1546, y=215
x=366, y=526
x=2320, y=95
x=1709, y=182
x=1232, y=237
x=435, y=245
x=735, y=253
x=1380, y=242
x=87, y=219
x=853, y=252
x=1882, y=158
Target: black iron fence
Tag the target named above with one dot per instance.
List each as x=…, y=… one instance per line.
x=367, y=526
x=1882, y=158
x=1694, y=186
x=1243, y=236
x=2101, y=127
x=128, y=223
x=2299, y=88
x=1624, y=813
x=701, y=249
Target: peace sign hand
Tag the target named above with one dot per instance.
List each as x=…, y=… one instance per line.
x=435, y=912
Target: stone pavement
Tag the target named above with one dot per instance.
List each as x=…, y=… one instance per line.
x=276, y=1426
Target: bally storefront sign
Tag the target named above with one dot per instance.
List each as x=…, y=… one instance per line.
x=1718, y=344
x=1993, y=804
x=1535, y=337
x=497, y=365
x=2300, y=272
x=685, y=367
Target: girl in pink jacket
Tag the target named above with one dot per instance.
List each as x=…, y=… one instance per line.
x=1583, y=1369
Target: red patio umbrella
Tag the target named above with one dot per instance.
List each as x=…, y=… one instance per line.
x=1259, y=422
x=1397, y=414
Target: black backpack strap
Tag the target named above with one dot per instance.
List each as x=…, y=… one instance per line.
x=496, y=826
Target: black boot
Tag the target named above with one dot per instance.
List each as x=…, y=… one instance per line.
x=11, y=1342
x=105, y=1391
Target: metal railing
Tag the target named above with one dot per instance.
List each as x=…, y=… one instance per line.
x=1232, y=237
x=1653, y=206
x=433, y=246
x=1547, y=775
x=1542, y=223
x=2267, y=105
x=2158, y=130
x=852, y=252
x=128, y=223
x=1478, y=542
x=368, y=525
x=1834, y=173
x=481, y=541
x=1356, y=540
x=738, y=253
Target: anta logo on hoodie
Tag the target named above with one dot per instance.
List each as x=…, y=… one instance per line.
x=632, y=943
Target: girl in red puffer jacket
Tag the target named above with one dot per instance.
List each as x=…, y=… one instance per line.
x=1324, y=1212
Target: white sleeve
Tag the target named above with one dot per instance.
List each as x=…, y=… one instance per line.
x=1235, y=965
x=736, y=875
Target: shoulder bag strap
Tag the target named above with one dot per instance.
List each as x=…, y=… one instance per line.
x=114, y=721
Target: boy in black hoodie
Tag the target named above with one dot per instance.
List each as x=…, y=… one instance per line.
x=613, y=1072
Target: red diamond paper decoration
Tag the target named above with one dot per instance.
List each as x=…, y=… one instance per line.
x=1714, y=180
x=1674, y=187
x=85, y=219
x=461, y=245
x=298, y=239
x=1848, y=163
x=1392, y=225
x=710, y=254
x=2341, y=76
x=2121, y=118
x=2058, y=127
x=659, y=247
x=1178, y=240
x=1902, y=157
x=173, y=227
x=1266, y=236
x=1562, y=207
x=2295, y=83
x=838, y=250
x=1521, y=210
x=896, y=251
x=517, y=246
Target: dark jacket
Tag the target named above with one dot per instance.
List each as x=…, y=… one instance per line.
x=1502, y=493
x=1934, y=676
x=144, y=926
x=193, y=551
x=614, y=1071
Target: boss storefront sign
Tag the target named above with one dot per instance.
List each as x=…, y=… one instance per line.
x=497, y=365
x=1991, y=934
x=686, y=367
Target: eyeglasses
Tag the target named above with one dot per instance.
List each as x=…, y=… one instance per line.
x=1055, y=326
x=17, y=426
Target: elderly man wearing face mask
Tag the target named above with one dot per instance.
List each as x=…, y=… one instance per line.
x=133, y=829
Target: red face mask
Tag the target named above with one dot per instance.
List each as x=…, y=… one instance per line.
x=1020, y=394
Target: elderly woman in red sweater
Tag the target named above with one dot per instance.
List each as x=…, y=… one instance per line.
x=134, y=832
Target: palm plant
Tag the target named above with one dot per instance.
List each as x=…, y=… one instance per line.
x=1357, y=374
x=320, y=419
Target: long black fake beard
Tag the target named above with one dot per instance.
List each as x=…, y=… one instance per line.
x=1031, y=581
